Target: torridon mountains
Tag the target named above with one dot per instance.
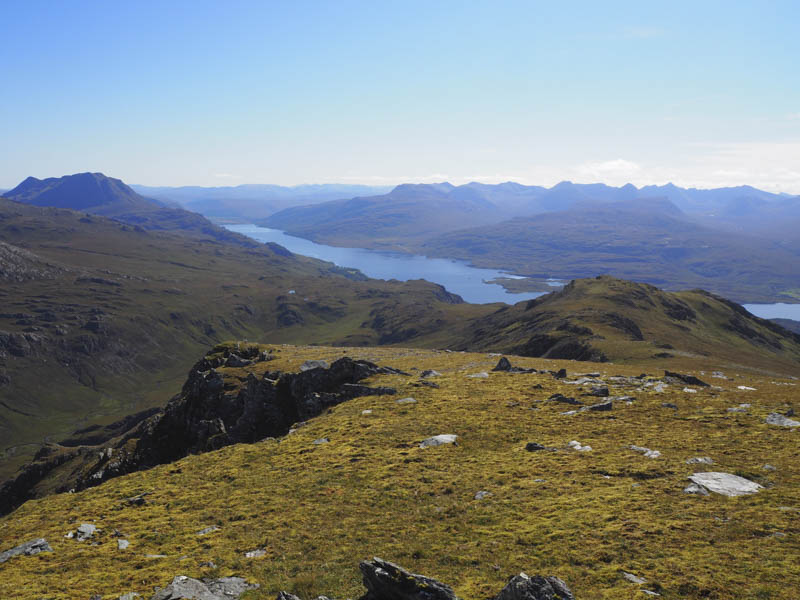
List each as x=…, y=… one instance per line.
x=188, y=413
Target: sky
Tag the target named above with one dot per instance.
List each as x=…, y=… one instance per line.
x=701, y=93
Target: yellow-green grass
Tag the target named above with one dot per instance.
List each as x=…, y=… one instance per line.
x=319, y=509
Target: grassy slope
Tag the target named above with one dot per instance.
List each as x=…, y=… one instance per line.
x=318, y=509
x=690, y=324
x=165, y=299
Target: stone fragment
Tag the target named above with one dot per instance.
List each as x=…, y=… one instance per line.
x=408, y=400
x=258, y=553
x=481, y=375
x=699, y=460
x=482, y=494
x=602, y=406
x=779, y=419
x=207, y=530
x=123, y=544
x=85, y=531
x=633, y=578
x=430, y=373
x=321, y=441
x=575, y=445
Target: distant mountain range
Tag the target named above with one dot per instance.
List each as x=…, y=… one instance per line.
x=741, y=242
x=253, y=201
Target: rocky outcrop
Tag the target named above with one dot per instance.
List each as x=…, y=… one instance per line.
x=523, y=587
x=205, y=416
x=388, y=581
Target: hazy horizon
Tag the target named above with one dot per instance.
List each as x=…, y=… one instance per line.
x=214, y=95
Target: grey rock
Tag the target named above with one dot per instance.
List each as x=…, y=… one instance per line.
x=27, y=549
x=234, y=360
x=646, y=451
x=700, y=460
x=430, y=373
x=564, y=399
x=599, y=391
x=669, y=405
x=603, y=406
x=207, y=530
x=122, y=544
x=186, y=588
x=560, y=374
x=321, y=441
x=85, y=531
x=689, y=379
x=481, y=375
x=769, y=467
x=504, y=365
x=129, y=596
x=534, y=447
x=438, y=440
x=388, y=581
x=693, y=488
x=725, y=483
x=523, y=587
x=313, y=364
x=482, y=494
x=779, y=419
x=286, y=596
x=406, y=401
x=258, y=553
x=633, y=578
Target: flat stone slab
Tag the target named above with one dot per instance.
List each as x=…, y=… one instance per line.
x=27, y=549
x=438, y=440
x=725, y=483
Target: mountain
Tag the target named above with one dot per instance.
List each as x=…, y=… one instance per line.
x=789, y=324
x=297, y=511
x=98, y=317
x=97, y=194
x=89, y=192
x=648, y=240
x=253, y=201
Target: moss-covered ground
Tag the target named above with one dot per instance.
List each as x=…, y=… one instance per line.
x=317, y=509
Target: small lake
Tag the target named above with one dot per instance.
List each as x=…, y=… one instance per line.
x=457, y=277
x=775, y=311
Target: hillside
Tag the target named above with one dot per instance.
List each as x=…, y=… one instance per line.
x=98, y=194
x=98, y=317
x=394, y=221
x=611, y=319
x=643, y=240
x=298, y=511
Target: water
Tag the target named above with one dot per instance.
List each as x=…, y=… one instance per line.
x=457, y=277
x=775, y=311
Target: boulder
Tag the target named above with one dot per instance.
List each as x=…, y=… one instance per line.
x=725, y=483
x=523, y=587
x=504, y=365
x=388, y=581
x=186, y=588
x=27, y=549
x=602, y=406
x=237, y=361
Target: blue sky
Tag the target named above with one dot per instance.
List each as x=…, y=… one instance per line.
x=213, y=93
